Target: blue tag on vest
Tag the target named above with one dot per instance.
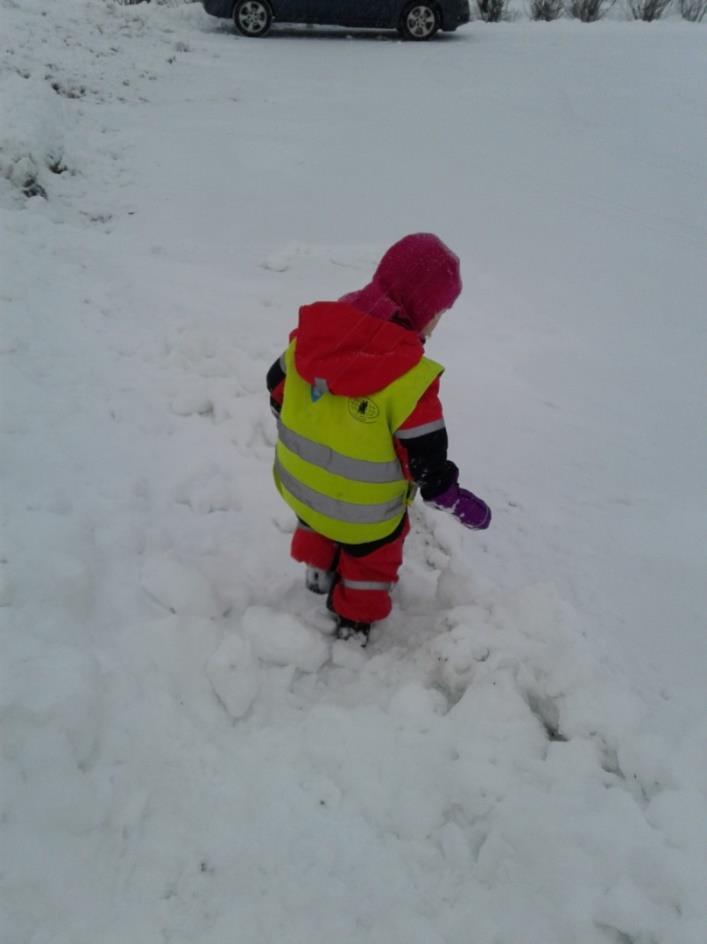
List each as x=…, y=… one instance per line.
x=318, y=389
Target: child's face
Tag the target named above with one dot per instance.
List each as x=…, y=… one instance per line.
x=431, y=325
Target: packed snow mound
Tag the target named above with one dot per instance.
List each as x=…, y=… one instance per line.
x=497, y=775
x=520, y=754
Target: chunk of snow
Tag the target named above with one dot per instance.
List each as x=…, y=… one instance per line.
x=234, y=675
x=179, y=589
x=282, y=639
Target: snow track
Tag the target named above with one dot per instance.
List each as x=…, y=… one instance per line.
x=187, y=755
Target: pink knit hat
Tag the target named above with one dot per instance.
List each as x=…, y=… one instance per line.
x=417, y=278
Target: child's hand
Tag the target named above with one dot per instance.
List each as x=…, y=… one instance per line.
x=466, y=507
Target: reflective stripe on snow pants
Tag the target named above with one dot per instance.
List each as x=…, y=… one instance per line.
x=366, y=584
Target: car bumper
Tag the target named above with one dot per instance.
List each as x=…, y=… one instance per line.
x=456, y=16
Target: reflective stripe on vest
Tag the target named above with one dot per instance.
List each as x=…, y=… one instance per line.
x=348, y=512
x=360, y=470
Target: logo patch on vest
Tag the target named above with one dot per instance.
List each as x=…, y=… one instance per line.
x=364, y=409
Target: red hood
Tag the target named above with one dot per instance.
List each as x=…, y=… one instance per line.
x=353, y=352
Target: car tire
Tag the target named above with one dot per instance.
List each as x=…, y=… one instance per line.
x=252, y=17
x=419, y=21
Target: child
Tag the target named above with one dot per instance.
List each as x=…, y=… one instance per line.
x=361, y=429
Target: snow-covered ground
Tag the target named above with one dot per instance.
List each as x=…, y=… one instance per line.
x=521, y=753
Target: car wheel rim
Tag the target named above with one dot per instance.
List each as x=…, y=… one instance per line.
x=421, y=22
x=252, y=17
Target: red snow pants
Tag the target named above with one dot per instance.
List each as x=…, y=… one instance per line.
x=364, y=578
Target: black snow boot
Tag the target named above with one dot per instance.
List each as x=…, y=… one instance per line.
x=352, y=629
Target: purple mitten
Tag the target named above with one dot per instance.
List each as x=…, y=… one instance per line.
x=465, y=506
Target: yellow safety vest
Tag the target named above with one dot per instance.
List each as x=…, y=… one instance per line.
x=335, y=462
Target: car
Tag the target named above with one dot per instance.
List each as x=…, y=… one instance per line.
x=414, y=19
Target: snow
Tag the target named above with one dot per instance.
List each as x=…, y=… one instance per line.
x=187, y=755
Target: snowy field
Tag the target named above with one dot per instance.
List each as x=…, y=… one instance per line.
x=520, y=757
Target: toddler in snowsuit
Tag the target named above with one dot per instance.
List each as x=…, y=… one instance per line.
x=361, y=428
